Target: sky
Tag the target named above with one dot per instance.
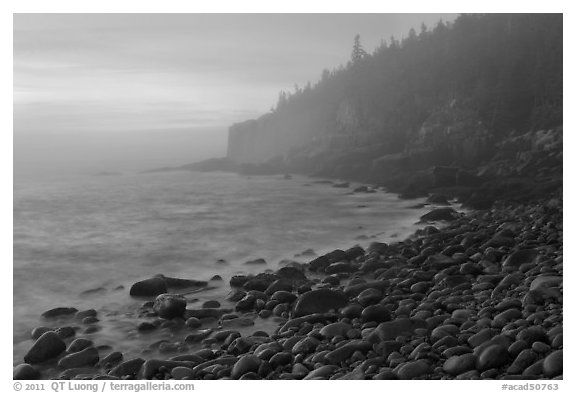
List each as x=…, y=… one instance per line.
x=162, y=89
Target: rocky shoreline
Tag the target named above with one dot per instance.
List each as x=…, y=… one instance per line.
x=477, y=297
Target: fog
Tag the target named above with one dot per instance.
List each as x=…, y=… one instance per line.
x=49, y=154
x=124, y=92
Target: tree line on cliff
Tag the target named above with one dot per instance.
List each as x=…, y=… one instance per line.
x=503, y=70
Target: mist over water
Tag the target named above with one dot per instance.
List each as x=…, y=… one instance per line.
x=57, y=153
x=102, y=233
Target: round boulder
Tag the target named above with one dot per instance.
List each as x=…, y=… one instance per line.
x=169, y=306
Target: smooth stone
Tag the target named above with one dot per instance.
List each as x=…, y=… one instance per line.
x=280, y=359
x=149, y=287
x=152, y=366
x=79, y=344
x=86, y=357
x=345, y=351
x=553, y=364
x=193, y=323
x=25, y=371
x=319, y=301
x=211, y=304
x=169, y=306
x=398, y=327
x=129, y=367
x=375, y=313
x=413, y=369
x=59, y=312
x=335, y=329
x=284, y=297
x=111, y=359
x=48, y=346
x=180, y=373
x=457, y=365
x=37, y=332
x=245, y=364
x=440, y=214
x=322, y=372
x=520, y=257
x=493, y=356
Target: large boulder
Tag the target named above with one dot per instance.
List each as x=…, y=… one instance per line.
x=25, y=372
x=440, y=214
x=86, y=357
x=48, y=346
x=150, y=287
x=169, y=306
x=319, y=301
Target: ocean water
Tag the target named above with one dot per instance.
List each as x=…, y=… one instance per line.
x=82, y=241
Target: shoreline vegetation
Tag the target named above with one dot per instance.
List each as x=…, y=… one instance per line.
x=478, y=297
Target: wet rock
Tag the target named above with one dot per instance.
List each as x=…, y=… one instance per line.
x=322, y=372
x=238, y=280
x=335, y=329
x=280, y=359
x=129, y=367
x=520, y=257
x=25, y=372
x=151, y=367
x=356, y=289
x=345, y=351
x=369, y=297
x=37, y=332
x=291, y=273
x=493, y=356
x=86, y=357
x=392, y=329
x=259, y=261
x=413, y=369
x=375, y=313
x=79, y=344
x=149, y=287
x=245, y=364
x=170, y=306
x=319, y=301
x=48, y=346
x=180, y=373
x=59, y=312
x=440, y=214
x=284, y=297
x=211, y=304
x=457, y=365
x=111, y=359
x=553, y=364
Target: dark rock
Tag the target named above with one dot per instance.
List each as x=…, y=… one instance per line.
x=239, y=280
x=392, y=329
x=282, y=284
x=129, y=367
x=86, y=313
x=151, y=367
x=413, y=369
x=291, y=273
x=319, y=301
x=111, y=359
x=25, y=372
x=553, y=364
x=170, y=306
x=245, y=364
x=456, y=365
x=343, y=352
x=59, y=312
x=179, y=283
x=146, y=326
x=86, y=357
x=149, y=287
x=335, y=329
x=493, y=356
x=37, y=332
x=193, y=323
x=352, y=311
x=48, y=346
x=340, y=267
x=322, y=372
x=79, y=344
x=284, y=297
x=520, y=257
x=440, y=214
x=259, y=261
x=216, y=277
x=376, y=313
x=211, y=304
x=370, y=296
x=356, y=289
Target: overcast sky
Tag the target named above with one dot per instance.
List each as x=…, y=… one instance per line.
x=79, y=74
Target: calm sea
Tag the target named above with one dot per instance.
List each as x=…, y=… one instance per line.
x=102, y=233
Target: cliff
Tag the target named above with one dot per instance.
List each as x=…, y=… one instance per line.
x=456, y=96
